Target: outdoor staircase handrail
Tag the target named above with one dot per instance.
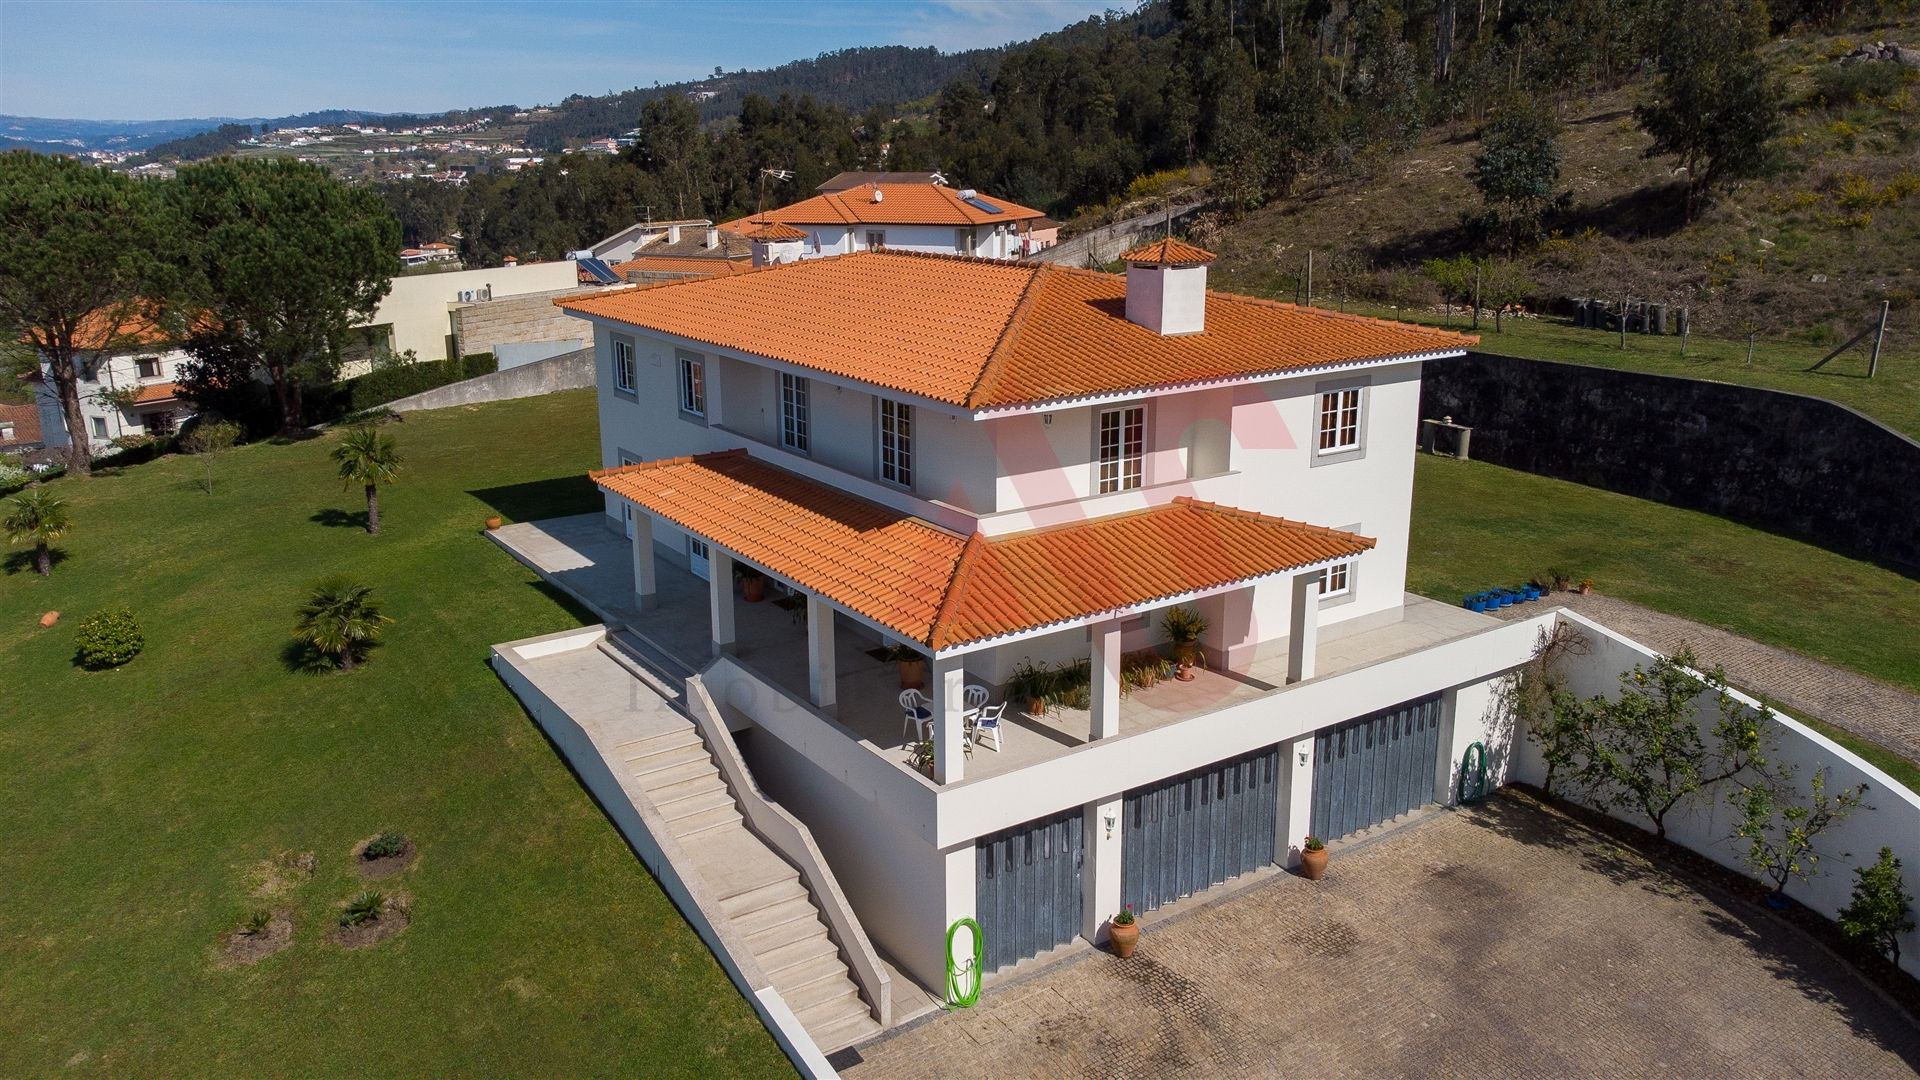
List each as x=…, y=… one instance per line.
x=773, y=824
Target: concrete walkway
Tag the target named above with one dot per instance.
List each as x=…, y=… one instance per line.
x=1505, y=940
x=1867, y=707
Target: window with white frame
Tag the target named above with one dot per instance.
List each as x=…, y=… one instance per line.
x=623, y=365
x=149, y=367
x=99, y=427
x=1337, y=580
x=1123, y=436
x=896, y=442
x=876, y=238
x=693, y=385
x=796, y=426
x=1339, y=420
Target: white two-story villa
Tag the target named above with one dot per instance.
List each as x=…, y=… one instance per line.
x=998, y=468
x=924, y=217
x=127, y=381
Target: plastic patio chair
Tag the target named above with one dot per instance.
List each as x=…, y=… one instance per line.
x=913, y=705
x=987, y=727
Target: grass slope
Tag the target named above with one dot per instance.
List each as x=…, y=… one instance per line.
x=135, y=804
x=1477, y=525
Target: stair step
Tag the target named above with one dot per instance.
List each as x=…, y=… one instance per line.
x=798, y=978
x=683, y=735
x=812, y=947
x=638, y=667
x=681, y=772
x=665, y=787
x=642, y=649
x=776, y=924
x=836, y=1031
x=763, y=895
x=821, y=992
x=681, y=809
x=718, y=817
x=788, y=932
x=643, y=765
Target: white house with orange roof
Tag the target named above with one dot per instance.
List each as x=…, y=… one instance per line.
x=1012, y=475
x=127, y=374
x=919, y=217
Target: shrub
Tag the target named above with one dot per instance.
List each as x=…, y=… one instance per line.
x=363, y=908
x=12, y=478
x=1881, y=907
x=108, y=639
x=1856, y=84
x=329, y=404
x=256, y=923
x=385, y=846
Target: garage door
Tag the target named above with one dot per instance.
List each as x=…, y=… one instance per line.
x=1027, y=887
x=1198, y=829
x=1375, y=769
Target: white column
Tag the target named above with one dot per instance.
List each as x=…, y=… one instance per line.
x=1100, y=881
x=949, y=692
x=1295, y=812
x=958, y=867
x=822, y=677
x=720, y=599
x=1303, y=625
x=645, y=580
x=1106, y=679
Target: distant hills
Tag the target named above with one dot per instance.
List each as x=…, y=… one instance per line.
x=58, y=136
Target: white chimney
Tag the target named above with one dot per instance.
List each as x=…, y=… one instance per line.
x=1167, y=287
x=673, y=234
x=713, y=237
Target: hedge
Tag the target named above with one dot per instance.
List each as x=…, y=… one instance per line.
x=326, y=404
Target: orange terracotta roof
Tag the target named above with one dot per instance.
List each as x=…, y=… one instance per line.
x=709, y=266
x=1168, y=252
x=773, y=230
x=119, y=328
x=985, y=334
x=900, y=204
x=933, y=587
x=157, y=392
x=25, y=421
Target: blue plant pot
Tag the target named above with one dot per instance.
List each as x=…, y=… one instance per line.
x=1533, y=592
x=1506, y=599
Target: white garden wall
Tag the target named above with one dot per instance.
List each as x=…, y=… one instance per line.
x=1890, y=816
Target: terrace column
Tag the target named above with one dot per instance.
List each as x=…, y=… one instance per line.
x=1101, y=889
x=822, y=681
x=645, y=581
x=1106, y=679
x=1294, y=814
x=1303, y=625
x=949, y=692
x=720, y=599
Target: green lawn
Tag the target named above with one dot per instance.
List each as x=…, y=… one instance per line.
x=1477, y=525
x=136, y=804
x=1891, y=397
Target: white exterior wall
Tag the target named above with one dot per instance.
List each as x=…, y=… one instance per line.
x=119, y=371
x=988, y=241
x=1889, y=818
x=419, y=305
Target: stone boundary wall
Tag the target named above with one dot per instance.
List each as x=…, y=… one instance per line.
x=568, y=371
x=1784, y=462
x=1108, y=241
x=513, y=320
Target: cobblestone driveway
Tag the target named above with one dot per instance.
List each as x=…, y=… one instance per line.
x=1499, y=941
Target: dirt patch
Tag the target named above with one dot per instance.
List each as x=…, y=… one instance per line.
x=394, y=916
x=384, y=867
x=237, y=948
x=272, y=877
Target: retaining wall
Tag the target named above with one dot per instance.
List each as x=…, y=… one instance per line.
x=1784, y=462
x=513, y=320
x=568, y=371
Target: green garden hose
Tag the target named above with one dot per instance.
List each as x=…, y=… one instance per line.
x=1476, y=755
x=968, y=970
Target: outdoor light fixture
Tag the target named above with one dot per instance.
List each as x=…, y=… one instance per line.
x=1111, y=819
x=1303, y=758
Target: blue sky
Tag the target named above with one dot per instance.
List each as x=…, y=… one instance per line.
x=114, y=60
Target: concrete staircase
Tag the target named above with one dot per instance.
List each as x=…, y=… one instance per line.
x=759, y=891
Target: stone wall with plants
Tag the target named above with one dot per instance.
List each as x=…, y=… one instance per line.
x=1786, y=463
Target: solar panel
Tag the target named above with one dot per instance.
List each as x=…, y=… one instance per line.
x=979, y=203
x=600, y=270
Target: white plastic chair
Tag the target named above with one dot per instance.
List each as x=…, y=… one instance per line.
x=976, y=698
x=917, y=716
x=987, y=726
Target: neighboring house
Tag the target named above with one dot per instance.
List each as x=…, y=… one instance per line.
x=417, y=312
x=622, y=245
x=703, y=252
x=1041, y=234
x=20, y=428
x=1003, y=466
x=845, y=180
x=904, y=217
x=127, y=382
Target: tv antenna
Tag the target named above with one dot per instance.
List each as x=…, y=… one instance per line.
x=778, y=176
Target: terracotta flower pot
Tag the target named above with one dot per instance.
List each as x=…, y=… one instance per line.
x=1036, y=706
x=1124, y=938
x=49, y=618
x=493, y=523
x=1313, y=863
x=913, y=674
x=1185, y=674
x=753, y=589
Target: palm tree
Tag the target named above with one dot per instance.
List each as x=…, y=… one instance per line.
x=369, y=458
x=39, y=517
x=340, y=619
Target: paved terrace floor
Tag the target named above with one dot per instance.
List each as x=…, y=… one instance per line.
x=1500, y=941
x=594, y=564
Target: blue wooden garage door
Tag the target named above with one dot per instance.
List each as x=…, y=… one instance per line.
x=1376, y=768
x=1027, y=887
x=1198, y=829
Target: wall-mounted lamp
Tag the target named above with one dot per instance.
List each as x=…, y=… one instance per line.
x=1046, y=419
x=1303, y=759
x=1112, y=819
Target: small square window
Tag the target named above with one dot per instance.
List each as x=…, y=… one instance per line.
x=1337, y=580
x=876, y=239
x=99, y=427
x=1339, y=429
x=149, y=367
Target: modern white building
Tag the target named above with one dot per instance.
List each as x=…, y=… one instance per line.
x=997, y=468
x=417, y=312
x=922, y=217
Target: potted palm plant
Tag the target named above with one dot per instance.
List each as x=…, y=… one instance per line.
x=913, y=666
x=1313, y=858
x=1184, y=627
x=1124, y=931
x=1030, y=684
